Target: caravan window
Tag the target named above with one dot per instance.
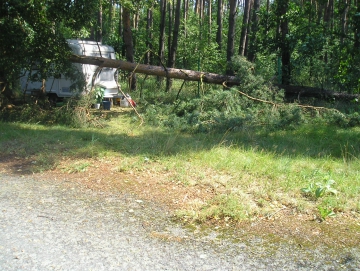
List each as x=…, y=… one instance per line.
x=106, y=74
x=103, y=54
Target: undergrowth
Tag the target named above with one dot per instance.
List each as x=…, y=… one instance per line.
x=255, y=103
x=73, y=112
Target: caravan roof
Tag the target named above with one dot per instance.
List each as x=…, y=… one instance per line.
x=91, y=48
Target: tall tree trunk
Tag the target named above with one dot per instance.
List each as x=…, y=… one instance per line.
x=202, y=6
x=254, y=29
x=244, y=27
x=149, y=44
x=170, y=29
x=344, y=19
x=282, y=7
x=162, y=34
x=219, y=21
x=121, y=33
x=197, y=6
x=209, y=14
x=111, y=18
x=186, y=10
x=99, y=30
x=174, y=43
x=201, y=18
x=92, y=33
x=320, y=11
x=231, y=36
x=328, y=29
x=328, y=12
x=128, y=41
x=357, y=29
x=267, y=17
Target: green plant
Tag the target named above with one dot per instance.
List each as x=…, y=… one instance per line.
x=318, y=190
x=325, y=212
x=99, y=94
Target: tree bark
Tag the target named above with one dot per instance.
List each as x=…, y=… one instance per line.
x=219, y=20
x=231, y=36
x=244, y=27
x=344, y=19
x=298, y=92
x=356, y=23
x=99, y=30
x=284, y=43
x=209, y=14
x=129, y=44
x=254, y=29
x=188, y=75
x=186, y=11
x=174, y=44
x=169, y=29
x=149, y=44
x=197, y=6
x=162, y=34
x=121, y=31
x=110, y=26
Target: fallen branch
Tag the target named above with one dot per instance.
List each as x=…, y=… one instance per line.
x=189, y=75
x=278, y=105
x=133, y=107
x=256, y=99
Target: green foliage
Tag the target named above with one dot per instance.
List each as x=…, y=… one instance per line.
x=344, y=120
x=220, y=109
x=347, y=76
x=325, y=212
x=318, y=190
x=321, y=54
x=289, y=116
x=31, y=33
x=99, y=94
x=74, y=112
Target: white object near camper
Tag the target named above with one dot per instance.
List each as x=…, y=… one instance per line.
x=60, y=87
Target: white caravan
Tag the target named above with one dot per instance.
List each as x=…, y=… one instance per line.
x=59, y=87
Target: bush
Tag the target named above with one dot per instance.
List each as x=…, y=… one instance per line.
x=254, y=103
x=74, y=112
x=220, y=109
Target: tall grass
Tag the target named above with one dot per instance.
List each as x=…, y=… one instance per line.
x=252, y=173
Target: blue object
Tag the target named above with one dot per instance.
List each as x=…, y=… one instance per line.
x=106, y=105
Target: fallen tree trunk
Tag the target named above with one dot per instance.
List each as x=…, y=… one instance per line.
x=298, y=92
x=292, y=92
x=189, y=75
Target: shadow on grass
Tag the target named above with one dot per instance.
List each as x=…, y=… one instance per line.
x=49, y=144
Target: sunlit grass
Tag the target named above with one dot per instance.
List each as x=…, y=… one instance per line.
x=252, y=172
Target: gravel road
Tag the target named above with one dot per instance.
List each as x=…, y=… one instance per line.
x=58, y=225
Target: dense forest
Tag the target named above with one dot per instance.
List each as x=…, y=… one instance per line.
x=314, y=43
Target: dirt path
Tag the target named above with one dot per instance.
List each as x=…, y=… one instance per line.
x=62, y=223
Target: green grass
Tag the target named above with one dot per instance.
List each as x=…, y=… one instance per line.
x=252, y=172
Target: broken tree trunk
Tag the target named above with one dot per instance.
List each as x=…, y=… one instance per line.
x=298, y=92
x=188, y=75
x=291, y=91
